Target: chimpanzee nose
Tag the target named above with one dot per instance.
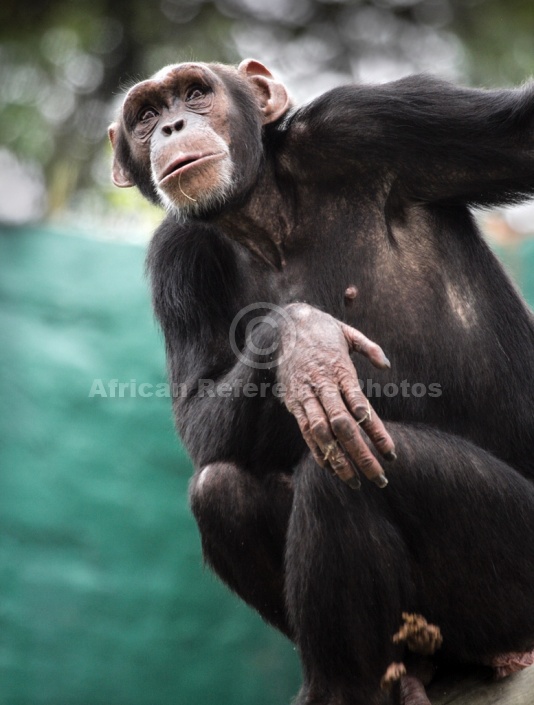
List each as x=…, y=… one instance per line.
x=175, y=126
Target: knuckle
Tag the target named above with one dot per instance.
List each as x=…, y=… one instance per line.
x=292, y=404
x=319, y=428
x=326, y=389
x=340, y=367
x=349, y=381
x=339, y=462
x=345, y=473
x=304, y=425
x=296, y=410
x=342, y=427
x=355, y=395
x=367, y=464
x=305, y=395
x=353, y=336
x=382, y=441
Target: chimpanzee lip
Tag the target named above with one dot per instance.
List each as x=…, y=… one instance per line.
x=178, y=166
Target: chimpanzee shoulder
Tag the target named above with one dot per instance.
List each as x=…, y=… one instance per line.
x=193, y=270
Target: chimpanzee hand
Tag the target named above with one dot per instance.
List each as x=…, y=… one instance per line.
x=323, y=393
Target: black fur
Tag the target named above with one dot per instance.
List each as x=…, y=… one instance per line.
x=379, y=180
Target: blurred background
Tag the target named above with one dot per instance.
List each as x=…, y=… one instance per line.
x=103, y=598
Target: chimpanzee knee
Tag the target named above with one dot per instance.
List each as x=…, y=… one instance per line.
x=214, y=489
x=243, y=522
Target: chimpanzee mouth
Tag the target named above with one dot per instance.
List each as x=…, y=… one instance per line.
x=178, y=166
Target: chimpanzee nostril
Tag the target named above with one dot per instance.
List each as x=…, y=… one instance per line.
x=175, y=126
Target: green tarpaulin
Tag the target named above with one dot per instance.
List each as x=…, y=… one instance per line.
x=103, y=597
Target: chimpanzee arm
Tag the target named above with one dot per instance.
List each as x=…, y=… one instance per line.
x=427, y=139
x=224, y=365
x=198, y=288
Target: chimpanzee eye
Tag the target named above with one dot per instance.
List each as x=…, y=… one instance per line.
x=147, y=113
x=195, y=92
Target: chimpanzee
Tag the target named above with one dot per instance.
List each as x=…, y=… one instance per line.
x=288, y=230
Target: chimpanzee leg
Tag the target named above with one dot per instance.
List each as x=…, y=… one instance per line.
x=450, y=538
x=243, y=523
x=348, y=581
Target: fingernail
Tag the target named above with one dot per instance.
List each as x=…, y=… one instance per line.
x=387, y=363
x=390, y=455
x=381, y=481
x=354, y=483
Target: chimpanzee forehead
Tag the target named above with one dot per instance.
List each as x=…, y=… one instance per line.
x=169, y=77
x=175, y=70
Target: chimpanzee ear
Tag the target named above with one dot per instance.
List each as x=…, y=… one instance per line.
x=272, y=95
x=120, y=175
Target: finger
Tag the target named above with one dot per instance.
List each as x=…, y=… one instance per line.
x=369, y=421
x=379, y=437
x=304, y=425
x=339, y=463
x=347, y=432
x=323, y=437
x=356, y=447
x=358, y=342
x=349, y=435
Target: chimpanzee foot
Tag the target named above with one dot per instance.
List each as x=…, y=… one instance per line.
x=410, y=686
x=505, y=664
x=422, y=639
x=412, y=691
x=418, y=635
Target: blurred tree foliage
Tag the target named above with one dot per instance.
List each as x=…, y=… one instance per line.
x=64, y=63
